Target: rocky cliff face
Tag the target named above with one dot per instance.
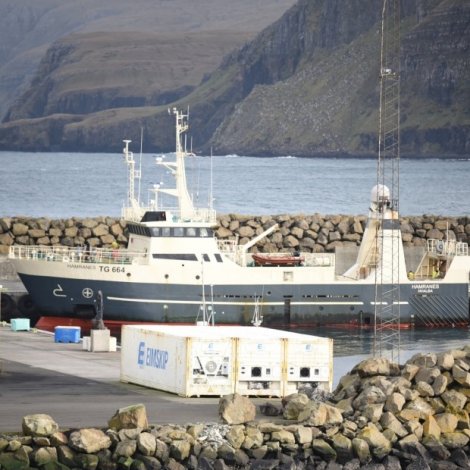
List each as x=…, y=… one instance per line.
x=329, y=104
x=307, y=85
x=29, y=27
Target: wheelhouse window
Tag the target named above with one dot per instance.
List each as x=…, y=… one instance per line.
x=218, y=258
x=190, y=232
x=178, y=232
x=139, y=230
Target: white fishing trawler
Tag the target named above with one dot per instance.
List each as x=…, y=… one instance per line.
x=174, y=267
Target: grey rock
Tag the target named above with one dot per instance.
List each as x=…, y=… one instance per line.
x=39, y=425
x=205, y=464
x=418, y=464
x=236, y=409
x=264, y=464
x=89, y=440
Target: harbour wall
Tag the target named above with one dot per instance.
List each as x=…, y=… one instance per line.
x=381, y=416
x=309, y=233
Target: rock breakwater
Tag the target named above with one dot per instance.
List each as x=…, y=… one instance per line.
x=310, y=233
x=381, y=416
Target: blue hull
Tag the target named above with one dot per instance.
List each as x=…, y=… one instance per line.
x=333, y=304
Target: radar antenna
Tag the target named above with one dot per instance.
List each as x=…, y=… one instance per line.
x=388, y=239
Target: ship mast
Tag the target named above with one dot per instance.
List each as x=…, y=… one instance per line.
x=177, y=168
x=132, y=211
x=388, y=239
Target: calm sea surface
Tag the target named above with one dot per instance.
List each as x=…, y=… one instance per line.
x=58, y=185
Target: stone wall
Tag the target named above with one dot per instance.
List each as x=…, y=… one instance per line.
x=311, y=233
x=381, y=416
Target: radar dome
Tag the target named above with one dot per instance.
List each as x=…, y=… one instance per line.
x=379, y=192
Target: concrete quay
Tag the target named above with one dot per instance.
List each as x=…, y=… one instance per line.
x=78, y=388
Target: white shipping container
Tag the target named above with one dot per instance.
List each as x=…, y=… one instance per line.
x=260, y=362
x=186, y=360
x=218, y=360
x=309, y=361
x=277, y=363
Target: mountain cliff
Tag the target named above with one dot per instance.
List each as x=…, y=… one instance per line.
x=29, y=27
x=307, y=85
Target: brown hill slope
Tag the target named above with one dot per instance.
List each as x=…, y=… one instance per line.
x=28, y=27
x=306, y=85
x=86, y=73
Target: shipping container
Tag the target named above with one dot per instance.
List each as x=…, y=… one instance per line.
x=187, y=360
x=195, y=360
x=309, y=361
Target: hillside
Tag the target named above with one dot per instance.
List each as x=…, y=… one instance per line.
x=307, y=85
x=29, y=27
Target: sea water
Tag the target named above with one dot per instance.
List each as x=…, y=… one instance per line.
x=58, y=185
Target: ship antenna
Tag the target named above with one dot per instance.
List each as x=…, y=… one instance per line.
x=211, y=198
x=140, y=163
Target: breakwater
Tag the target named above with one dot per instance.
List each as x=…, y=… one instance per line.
x=381, y=416
x=309, y=233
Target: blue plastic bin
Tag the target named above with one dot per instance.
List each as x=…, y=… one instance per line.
x=67, y=334
x=19, y=324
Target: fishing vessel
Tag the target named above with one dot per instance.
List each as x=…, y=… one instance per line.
x=174, y=267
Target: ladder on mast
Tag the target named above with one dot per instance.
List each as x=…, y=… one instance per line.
x=387, y=289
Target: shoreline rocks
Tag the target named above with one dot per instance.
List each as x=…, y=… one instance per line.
x=381, y=416
x=309, y=233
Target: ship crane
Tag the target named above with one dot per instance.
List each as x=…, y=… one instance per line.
x=386, y=204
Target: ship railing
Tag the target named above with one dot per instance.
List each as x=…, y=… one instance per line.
x=232, y=250
x=77, y=255
x=173, y=214
x=318, y=259
x=447, y=247
x=197, y=215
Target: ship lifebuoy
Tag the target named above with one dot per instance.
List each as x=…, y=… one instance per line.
x=440, y=246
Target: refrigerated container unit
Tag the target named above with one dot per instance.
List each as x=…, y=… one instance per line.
x=186, y=360
x=195, y=360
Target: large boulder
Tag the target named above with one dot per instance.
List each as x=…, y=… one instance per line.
x=133, y=416
x=376, y=366
x=236, y=409
x=39, y=425
x=89, y=440
x=295, y=404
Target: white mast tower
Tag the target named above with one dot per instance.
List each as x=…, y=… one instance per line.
x=388, y=240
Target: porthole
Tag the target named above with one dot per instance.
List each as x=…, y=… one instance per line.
x=166, y=276
x=198, y=277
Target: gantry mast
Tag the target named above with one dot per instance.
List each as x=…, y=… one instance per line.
x=388, y=239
